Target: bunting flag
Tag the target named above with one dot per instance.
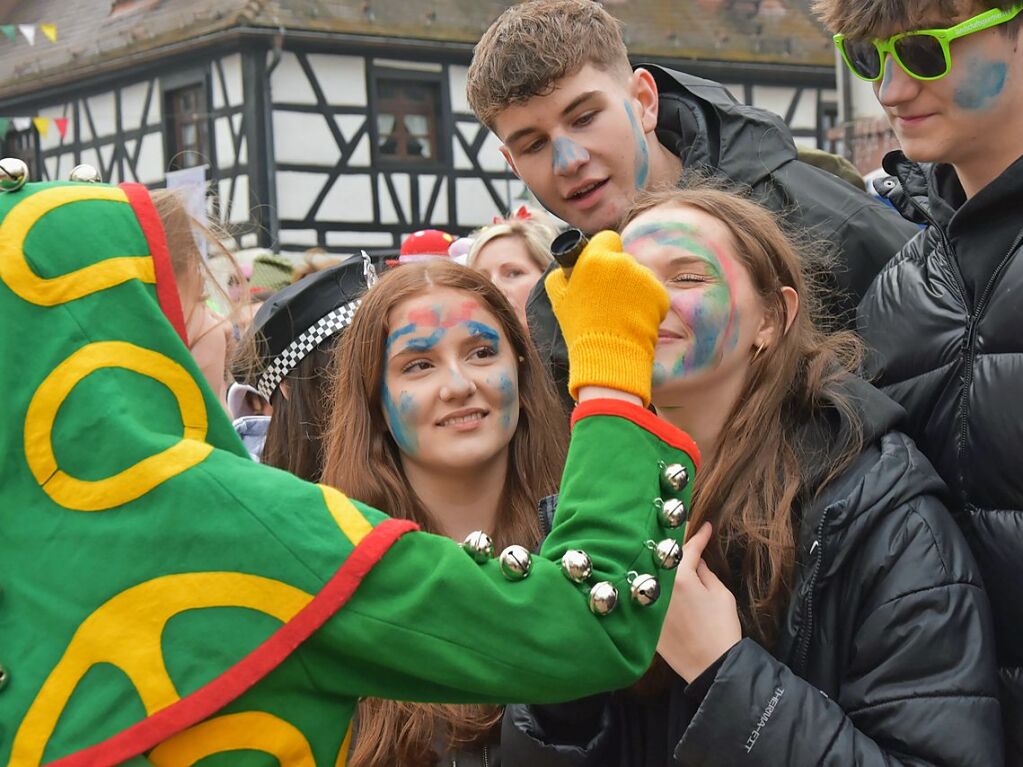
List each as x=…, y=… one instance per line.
x=28, y=31
x=42, y=124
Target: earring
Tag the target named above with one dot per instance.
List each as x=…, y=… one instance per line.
x=759, y=349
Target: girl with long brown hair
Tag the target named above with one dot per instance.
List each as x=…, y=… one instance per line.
x=442, y=411
x=829, y=563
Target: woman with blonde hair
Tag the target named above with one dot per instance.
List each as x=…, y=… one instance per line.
x=441, y=408
x=514, y=253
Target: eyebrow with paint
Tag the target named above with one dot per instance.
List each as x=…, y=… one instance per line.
x=574, y=104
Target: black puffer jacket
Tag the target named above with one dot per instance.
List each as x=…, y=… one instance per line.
x=945, y=322
x=885, y=656
x=712, y=133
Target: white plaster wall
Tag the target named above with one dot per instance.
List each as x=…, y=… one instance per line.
x=133, y=101
x=440, y=208
x=296, y=193
x=458, y=76
x=304, y=138
x=350, y=199
x=359, y=239
x=239, y=212
x=151, y=164
x=349, y=125
x=299, y=239
x=342, y=79
x=232, y=83
x=388, y=214
x=475, y=207
x=223, y=128
x=288, y=83
x=102, y=109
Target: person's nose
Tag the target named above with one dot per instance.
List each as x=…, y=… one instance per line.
x=568, y=156
x=895, y=86
x=458, y=385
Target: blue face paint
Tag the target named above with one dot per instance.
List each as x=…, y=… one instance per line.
x=566, y=153
x=509, y=398
x=425, y=344
x=402, y=331
x=642, y=151
x=982, y=83
x=400, y=420
x=484, y=331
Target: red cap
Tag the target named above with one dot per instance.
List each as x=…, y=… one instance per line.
x=426, y=242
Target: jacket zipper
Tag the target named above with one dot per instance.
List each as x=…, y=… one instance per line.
x=959, y=284
x=969, y=354
x=807, y=628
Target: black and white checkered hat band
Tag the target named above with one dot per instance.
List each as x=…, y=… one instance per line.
x=334, y=322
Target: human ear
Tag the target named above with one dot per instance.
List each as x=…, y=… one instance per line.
x=644, y=90
x=511, y=162
x=771, y=324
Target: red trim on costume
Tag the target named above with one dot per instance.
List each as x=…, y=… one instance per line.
x=213, y=696
x=152, y=228
x=643, y=418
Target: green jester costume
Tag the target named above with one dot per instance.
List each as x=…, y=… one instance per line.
x=167, y=600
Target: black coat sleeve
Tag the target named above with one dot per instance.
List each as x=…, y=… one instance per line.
x=575, y=734
x=915, y=684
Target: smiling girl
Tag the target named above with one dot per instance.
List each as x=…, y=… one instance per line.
x=829, y=564
x=443, y=412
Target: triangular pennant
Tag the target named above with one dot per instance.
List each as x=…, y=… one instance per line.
x=4, y=124
x=42, y=125
x=9, y=30
x=50, y=30
x=21, y=123
x=29, y=31
x=61, y=123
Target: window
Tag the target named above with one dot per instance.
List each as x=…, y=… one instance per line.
x=23, y=144
x=408, y=116
x=186, y=135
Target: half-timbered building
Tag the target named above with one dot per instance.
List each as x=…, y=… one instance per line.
x=343, y=123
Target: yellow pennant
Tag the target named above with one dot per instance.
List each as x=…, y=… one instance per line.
x=42, y=125
x=50, y=30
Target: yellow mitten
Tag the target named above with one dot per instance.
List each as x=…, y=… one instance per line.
x=609, y=312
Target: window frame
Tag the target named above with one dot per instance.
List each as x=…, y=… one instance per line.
x=440, y=119
x=174, y=148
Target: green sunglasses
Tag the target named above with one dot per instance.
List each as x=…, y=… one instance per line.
x=923, y=54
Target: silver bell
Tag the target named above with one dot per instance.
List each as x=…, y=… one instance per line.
x=516, y=562
x=645, y=589
x=85, y=173
x=674, y=477
x=479, y=546
x=667, y=554
x=672, y=513
x=13, y=174
x=576, y=565
x=603, y=598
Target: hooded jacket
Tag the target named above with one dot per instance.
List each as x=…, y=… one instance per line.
x=752, y=148
x=164, y=595
x=943, y=321
x=885, y=653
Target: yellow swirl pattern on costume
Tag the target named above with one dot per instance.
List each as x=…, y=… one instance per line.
x=52, y=291
x=138, y=479
x=246, y=731
x=352, y=523
x=126, y=632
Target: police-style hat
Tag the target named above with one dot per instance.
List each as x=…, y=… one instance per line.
x=294, y=321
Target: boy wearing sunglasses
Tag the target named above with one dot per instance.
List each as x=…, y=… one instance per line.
x=944, y=318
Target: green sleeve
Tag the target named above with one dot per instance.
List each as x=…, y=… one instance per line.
x=429, y=624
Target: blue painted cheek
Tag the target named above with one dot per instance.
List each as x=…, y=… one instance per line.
x=642, y=151
x=982, y=85
x=567, y=152
x=401, y=420
x=509, y=398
